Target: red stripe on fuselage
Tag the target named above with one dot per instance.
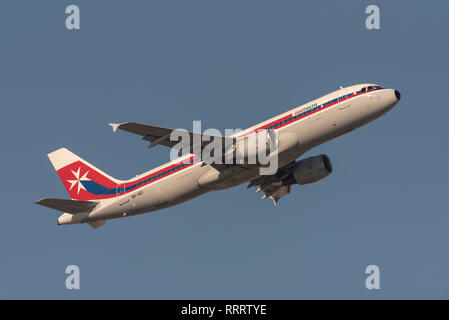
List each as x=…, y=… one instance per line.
x=303, y=117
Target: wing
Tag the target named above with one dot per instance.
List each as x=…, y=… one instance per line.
x=273, y=185
x=160, y=135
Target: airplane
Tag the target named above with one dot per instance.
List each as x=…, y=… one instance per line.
x=97, y=197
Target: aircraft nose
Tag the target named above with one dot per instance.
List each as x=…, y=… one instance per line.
x=397, y=94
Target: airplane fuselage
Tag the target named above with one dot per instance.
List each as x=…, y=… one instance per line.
x=298, y=130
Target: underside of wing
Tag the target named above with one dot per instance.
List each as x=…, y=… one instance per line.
x=273, y=185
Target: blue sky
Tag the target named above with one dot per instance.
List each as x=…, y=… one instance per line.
x=230, y=64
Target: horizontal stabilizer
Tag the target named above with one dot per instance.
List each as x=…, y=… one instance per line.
x=69, y=206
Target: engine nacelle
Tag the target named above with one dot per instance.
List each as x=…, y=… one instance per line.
x=249, y=148
x=312, y=169
x=258, y=147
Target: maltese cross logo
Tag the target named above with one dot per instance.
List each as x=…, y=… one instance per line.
x=78, y=180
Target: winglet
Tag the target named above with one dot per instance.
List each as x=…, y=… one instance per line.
x=115, y=126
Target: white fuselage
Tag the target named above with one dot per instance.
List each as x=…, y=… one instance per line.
x=299, y=130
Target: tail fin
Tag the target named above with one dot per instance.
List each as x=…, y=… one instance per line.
x=81, y=179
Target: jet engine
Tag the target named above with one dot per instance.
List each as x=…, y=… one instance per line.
x=251, y=147
x=262, y=145
x=312, y=169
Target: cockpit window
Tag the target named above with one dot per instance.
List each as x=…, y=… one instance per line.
x=363, y=89
x=378, y=87
x=370, y=88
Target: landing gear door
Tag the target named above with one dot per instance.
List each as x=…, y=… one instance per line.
x=343, y=100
